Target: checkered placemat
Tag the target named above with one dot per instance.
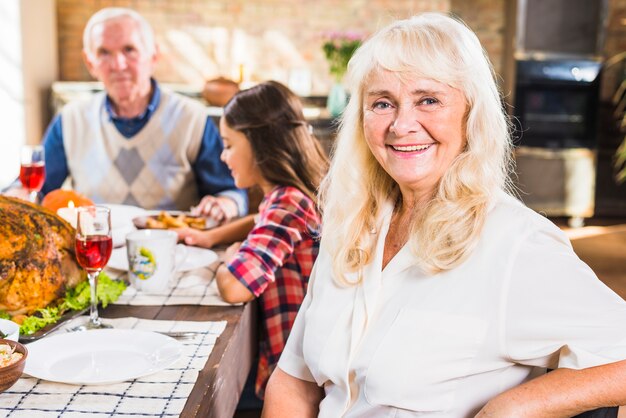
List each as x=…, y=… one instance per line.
x=162, y=394
x=196, y=287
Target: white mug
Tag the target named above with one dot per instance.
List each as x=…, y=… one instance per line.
x=151, y=259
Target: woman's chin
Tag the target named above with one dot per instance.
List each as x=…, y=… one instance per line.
x=240, y=184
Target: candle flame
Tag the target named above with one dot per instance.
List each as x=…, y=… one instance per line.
x=70, y=204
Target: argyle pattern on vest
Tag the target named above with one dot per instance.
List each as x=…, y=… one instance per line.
x=152, y=169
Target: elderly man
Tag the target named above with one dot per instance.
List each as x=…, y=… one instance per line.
x=136, y=143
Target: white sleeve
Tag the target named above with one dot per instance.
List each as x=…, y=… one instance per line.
x=292, y=358
x=557, y=312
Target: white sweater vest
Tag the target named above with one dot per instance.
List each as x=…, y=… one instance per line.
x=153, y=169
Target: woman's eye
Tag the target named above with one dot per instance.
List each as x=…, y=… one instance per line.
x=429, y=101
x=382, y=107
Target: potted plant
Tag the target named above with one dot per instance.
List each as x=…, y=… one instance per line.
x=620, y=159
x=619, y=101
x=338, y=49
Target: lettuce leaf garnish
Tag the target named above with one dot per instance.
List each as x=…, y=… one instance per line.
x=75, y=299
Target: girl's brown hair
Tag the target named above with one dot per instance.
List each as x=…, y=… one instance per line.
x=271, y=117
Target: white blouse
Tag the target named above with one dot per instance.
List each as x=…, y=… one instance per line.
x=408, y=344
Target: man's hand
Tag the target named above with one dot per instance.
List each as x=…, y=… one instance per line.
x=220, y=208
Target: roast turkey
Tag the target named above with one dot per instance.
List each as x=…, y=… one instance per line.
x=37, y=257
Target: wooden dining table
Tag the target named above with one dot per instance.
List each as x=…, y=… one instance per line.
x=219, y=384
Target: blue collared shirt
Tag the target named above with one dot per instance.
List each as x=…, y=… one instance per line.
x=212, y=175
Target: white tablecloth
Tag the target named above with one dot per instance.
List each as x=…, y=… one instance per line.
x=162, y=394
x=196, y=287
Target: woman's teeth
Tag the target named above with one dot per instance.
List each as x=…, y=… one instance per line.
x=410, y=148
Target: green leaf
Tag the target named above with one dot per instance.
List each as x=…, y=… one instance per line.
x=620, y=162
x=34, y=323
x=109, y=290
x=338, y=53
x=75, y=299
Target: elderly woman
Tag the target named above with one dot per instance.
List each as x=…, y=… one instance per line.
x=436, y=293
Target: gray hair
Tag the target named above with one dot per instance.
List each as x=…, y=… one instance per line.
x=112, y=13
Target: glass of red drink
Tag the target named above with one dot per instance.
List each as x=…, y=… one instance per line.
x=32, y=169
x=93, y=250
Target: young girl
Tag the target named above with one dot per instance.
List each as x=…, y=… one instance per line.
x=267, y=143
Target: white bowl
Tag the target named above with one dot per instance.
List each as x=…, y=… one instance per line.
x=10, y=329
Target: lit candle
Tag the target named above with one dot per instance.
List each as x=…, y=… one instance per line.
x=70, y=214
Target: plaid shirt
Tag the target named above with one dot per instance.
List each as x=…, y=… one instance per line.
x=274, y=263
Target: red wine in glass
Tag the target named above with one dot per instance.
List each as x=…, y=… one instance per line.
x=32, y=169
x=32, y=176
x=93, y=251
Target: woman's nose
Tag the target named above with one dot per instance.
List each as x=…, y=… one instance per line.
x=406, y=121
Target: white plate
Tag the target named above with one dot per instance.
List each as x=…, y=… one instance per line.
x=101, y=356
x=192, y=258
x=10, y=329
x=122, y=221
x=119, y=235
x=122, y=215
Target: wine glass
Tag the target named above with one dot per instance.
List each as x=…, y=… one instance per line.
x=93, y=250
x=32, y=169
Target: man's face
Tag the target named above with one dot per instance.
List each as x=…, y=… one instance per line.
x=119, y=57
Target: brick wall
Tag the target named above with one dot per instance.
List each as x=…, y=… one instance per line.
x=486, y=18
x=203, y=39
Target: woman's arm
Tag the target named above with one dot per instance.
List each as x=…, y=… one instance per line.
x=230, y=288
x=562, y=393
x=287, y=396
x=236, y=230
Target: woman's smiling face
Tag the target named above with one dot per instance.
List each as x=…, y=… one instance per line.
x=414, y=128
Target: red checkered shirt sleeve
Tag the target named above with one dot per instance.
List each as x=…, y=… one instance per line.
x=287, y=219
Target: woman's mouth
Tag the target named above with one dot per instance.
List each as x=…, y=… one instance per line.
x=410, y=148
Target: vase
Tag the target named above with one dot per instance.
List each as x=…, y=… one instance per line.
x=337, y=100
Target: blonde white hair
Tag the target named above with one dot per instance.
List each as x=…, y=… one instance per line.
x=113, y=13
x=438, y=47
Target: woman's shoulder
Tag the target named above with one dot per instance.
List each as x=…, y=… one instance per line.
x=288, y=198
x=510, y=217
x=289, y=205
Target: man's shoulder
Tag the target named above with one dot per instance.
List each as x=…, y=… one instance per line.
x=177, y=100
x=84, y=103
